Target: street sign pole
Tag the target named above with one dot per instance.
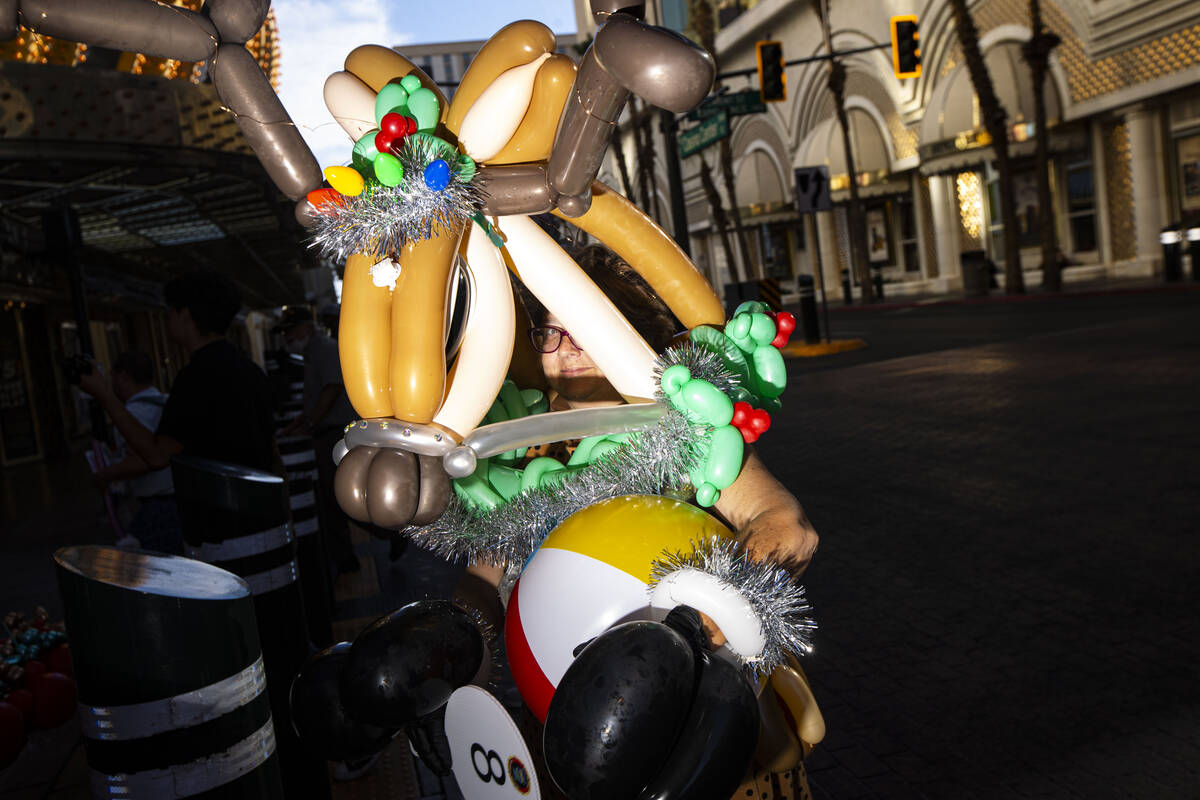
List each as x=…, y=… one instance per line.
x=675, y=181
x=820, y=271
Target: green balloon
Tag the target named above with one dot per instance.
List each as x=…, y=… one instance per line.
x=674, y=378
x=770, y=370
x=707, y=495
x=364, y=152
x=465, y=168
x=724, y=457
x=537, y=470
x=392, y=97
x=535, y=400
x=410, y=82
x=762, y=329
x=752, y=307
x=388, y=169
x=424, y=107
x=707, y=402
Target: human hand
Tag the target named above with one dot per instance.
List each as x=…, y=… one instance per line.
x=94, y=382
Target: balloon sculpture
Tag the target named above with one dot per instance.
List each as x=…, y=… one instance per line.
x=431, y=212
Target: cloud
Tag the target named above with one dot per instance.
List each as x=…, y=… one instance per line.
x=315, y=36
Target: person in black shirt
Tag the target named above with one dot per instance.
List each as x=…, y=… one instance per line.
x=220, y=404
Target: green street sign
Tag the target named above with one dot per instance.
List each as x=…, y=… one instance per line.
x=736, y=104
x=712, y=130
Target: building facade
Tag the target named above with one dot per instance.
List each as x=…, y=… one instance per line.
x=1123, y=110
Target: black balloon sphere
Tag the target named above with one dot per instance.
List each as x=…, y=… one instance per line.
x=320, y=718
x=717, y=740
x=407, y=664
x=617, y=711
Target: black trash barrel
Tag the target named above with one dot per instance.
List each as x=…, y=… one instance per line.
x=237, y=518
x=1193, y=240
x=170, y=676
x=300, y=461
x=1171, y=239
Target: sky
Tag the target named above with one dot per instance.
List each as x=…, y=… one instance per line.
x=316, y=35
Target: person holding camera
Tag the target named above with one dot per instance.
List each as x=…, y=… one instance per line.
x=155, y=524
x=220, y=403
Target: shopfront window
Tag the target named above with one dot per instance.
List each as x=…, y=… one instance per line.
x=1081, y=206
x=906, y=219
x=775, y=249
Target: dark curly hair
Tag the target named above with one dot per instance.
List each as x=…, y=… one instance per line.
x=211, y=297
x=627, y=290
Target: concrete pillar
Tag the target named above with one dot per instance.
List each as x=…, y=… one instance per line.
x=943, y=200
x=1100, y=182
x=1145, y=165
x=923, y=256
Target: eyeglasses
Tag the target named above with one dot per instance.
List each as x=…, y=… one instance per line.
x=548, y=338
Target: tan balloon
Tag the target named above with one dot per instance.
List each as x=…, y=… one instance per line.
x=364, y=339
x=635, y=237
x=351, y=102
x=513, y=45
x=535, y=135
x=376, y=66
x=417, y=368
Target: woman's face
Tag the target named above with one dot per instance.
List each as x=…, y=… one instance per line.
x=572, y=373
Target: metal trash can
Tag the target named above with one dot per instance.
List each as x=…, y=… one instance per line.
x=1171, y=239
x=808, y=309
x=976, y=273
x=237, y=518
x=170, y=675
x=312, y=558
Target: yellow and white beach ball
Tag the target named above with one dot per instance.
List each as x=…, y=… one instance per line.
x=593, y=572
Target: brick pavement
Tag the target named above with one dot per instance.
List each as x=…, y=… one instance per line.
x=1006, y=584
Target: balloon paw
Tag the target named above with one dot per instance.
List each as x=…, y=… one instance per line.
x=391, y=487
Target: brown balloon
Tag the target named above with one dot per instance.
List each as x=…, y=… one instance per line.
x=393, y=487
x=139, y=26
x=603, y=9
x=658, y=65
x=515, y=189
x=377, y=66
x=534, y=137
x=434, y=494
x=306, y=215
x=513, y=45
x=245, y=90
x=350, y=482
x=586, y=127
x=236, y=20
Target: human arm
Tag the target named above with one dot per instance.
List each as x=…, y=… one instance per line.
x=154, y=450
x=132, y=466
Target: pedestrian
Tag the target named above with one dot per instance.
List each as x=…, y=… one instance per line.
x=220, y=403
x=325, y=413
x=155, y=522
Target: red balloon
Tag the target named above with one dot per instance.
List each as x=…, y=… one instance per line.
x=34, y=672
x=12, y=733
x=393, y=124
x=22, y=699
x=58, y=659
x=54, y=700
x=383, y=141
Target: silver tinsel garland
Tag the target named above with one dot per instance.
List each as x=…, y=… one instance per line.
x=383, y=219
x=777, y=600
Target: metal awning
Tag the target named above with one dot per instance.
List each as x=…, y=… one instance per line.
x=157, y=173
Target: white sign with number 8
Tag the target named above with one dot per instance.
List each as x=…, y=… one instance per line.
x=490, y=758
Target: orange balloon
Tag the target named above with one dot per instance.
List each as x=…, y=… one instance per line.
x=319, y=198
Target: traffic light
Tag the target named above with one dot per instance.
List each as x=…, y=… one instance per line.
x=906, y=47
x=772, y=81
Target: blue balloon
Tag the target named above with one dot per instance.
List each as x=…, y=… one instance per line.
x=437, y=175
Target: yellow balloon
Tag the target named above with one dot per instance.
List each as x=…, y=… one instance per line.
x=513, y=45
x=535, y=135
x=344, y=180
x=365, y=338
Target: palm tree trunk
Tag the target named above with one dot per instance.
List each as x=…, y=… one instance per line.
x=854, y=215
x=1037, y=55
x=622, y=165
x=995, y=121
x=720, y=220
x=701, y=12
x=752, y=266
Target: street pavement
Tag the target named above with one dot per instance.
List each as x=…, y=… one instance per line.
x=1006, y=585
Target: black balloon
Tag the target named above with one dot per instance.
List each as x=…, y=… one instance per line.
x=717, y=739
x=320, y=718
x=617, y=711
x=407, y=664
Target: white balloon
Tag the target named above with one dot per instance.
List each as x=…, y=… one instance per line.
x=569, y=294
x=351, y=102
x=487, y=342
x=495, y=115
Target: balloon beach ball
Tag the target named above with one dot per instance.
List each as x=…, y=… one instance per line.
x=591, y=573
